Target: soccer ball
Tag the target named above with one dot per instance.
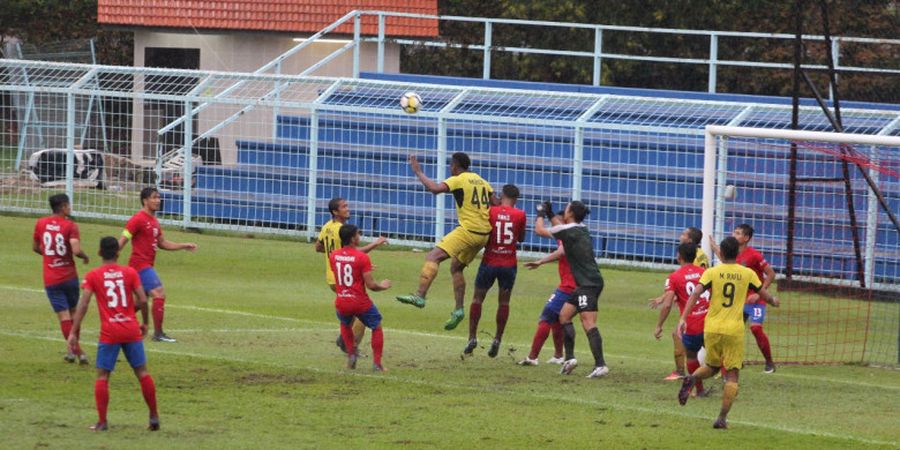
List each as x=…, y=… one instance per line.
x=411, y=102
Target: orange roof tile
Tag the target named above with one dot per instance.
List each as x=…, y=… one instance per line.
x=298, y=16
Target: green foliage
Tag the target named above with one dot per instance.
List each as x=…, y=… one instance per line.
x=256, y=366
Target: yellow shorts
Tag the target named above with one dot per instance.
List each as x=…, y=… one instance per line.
x=724, y=349
x=463, y=244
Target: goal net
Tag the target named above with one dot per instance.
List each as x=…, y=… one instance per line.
x=823, y=207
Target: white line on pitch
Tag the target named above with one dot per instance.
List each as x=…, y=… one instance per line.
x=491, y=390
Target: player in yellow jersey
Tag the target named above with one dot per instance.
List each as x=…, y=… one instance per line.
x=473, y=198
x=695, y=236
x=723, y=331
x=329, y=241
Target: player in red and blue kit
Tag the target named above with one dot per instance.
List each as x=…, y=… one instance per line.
x=679, y=286
x=146, y=237
x=352, y=275
x=549, y=320
x=57, y=239
x=498, y=264
x=116, y=287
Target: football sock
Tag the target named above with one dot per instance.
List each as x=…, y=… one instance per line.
x=558, y=339
x=158, y=309
x=540, y=336
x=596, y=343
x=377, y=344
x=692, y=366
x=347, y=336
x=730, y=392
x=569, y=340
x=763, y=342
x=704, y=372
x=474, y=318
x=502, y=317
x=679, y=355
x=148, y=388
x=426, y=276
x=101, y=398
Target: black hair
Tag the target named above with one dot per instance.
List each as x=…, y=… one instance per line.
x=511, y=191
x=334, y=204
x=57, y=202
x=462, y=160
x=695, y=235
x=146, y=193
x=729, y=247
x=579, y=210
x=746, y=230
x=687, y=251
x=109, y=247
x=347, y=232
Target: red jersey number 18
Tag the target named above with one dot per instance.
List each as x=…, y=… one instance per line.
x=345, y=274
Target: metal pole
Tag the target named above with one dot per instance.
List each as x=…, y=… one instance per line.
x=70, y=148
x=440, y=213
x=721, y=182
x=713, y=59
x=380, y=63
x=357, y=30
x=486, y=58
x=187, y=174
x=312, y=180
x=709, y=190
x=578, y=163
x=275, y=108
x=598, y=51
x=795, y=124
x=835, y=57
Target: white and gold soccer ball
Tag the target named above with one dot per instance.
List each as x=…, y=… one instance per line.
x=411, y=102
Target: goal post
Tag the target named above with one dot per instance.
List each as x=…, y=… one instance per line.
x=831, y=234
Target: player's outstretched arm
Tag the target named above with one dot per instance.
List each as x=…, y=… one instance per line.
x=373, y=285
x=531, y=265
x=667, y=299
x=169, y=245
x=769, y=298
x=374, y=244
x=715, y=247
x=433, y=187
x=80, y=311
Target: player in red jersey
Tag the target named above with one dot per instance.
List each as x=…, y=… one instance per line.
x=498, y=264
x=353, y=274
x=755, y=307
x=146, y=236
x=57, y=239
x=116, y=287
x=679, y=286
x=549, y=320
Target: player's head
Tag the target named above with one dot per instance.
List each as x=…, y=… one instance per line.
x=150, y=198
x=743, y=233
x=687, y=252
x=349, y=234
x=459, y=163
x=59, y=203
x=339, y=208
x=109, y=248
x=576, y=211
x=509, y=195
x=691, y=234
x=729, y=247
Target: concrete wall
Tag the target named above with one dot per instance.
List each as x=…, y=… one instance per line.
x=244, y=52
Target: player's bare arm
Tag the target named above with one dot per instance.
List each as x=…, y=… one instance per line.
x=667, y=300
x=769, y=276
x=36, y=248
x=769, y=298
x=374, y=244
x=531, y=265
x=433, y=187
x=77, y=251
x=715, y=247
x=141, y=305
x=80, y=311
x=373, y=285
x=123, y=240
x=320, y=246
x=168, y=245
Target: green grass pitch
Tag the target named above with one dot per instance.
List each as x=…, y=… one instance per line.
x=256, y=366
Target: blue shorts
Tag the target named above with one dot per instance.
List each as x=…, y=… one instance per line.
x=63, y=296
x=554, y=305
x=107, y=354
x=756, y=314
x=370, y=318
x=149, y=279
x=692, y=342
x=505, y=277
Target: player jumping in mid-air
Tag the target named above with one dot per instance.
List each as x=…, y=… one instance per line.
x=549, y=320
x=755, y=309
x=498, y=264
x=57, y=240
x=353, y=274
x=571, y=230
x=146, y=235
x=679, y=286
x=723, y=329
x=693, y=236
x=473, y=198
x=329, y=241
x=116, y=288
